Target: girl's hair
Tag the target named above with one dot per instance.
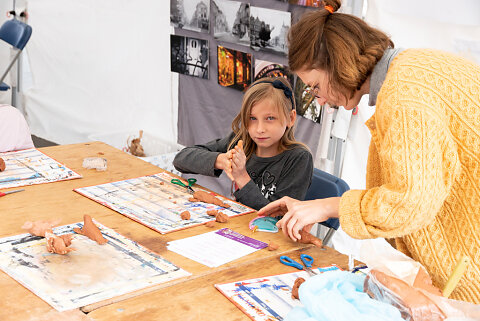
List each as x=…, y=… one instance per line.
x=258, y=91
x=344, y=46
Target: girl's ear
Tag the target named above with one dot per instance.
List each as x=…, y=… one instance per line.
x=293, y=116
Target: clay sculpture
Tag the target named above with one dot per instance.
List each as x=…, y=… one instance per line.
x=56, y=244
x=185, y=215
x=2, y=165
x=209, y=198
x=295, y=287
x=90, y=230
x=308, y=238
x=135, y=147
x=221, y=217
x=38, y=228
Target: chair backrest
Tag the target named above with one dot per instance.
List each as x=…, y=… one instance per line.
x=16, y=33
x=326, y=185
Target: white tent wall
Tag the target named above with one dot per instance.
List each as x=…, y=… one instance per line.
x=100, y=67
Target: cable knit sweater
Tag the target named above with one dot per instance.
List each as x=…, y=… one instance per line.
x=423, y=171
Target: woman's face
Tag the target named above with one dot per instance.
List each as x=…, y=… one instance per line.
x=317, y=80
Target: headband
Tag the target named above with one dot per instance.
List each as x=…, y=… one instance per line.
x=279, y=85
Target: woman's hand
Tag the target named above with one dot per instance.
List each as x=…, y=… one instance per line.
x=298, y=214
x=224, y=162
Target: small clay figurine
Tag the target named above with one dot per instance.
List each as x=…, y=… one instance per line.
x=135, y=147
x=221, y=217
x=209, y=198
x=185, y=215
x=38, y=228
x=307, y=238
x=272, y=246
x=56, y=244
x=295, y=287
x=212, y=212
x=2, y=165
x=210, y=224
x=90, y=230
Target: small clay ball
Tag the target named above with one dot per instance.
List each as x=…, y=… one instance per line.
x=185, y=215
x=272, y=246
x=2, y=165
x=295, y=287
x=221, y=217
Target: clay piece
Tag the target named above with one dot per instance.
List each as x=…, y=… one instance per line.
x=56, y=244
x=38, y=228
x=192, y=199
x=209, y=198
x=419, y=306
x=221, y=217
x=295, y=287
x=272, y=246
x=210, y=224
x=2, y=165
x=90, y=230
x=185, y=215
x=212, y=212
x=67, y=239
x=307, y=238
x=135, y=148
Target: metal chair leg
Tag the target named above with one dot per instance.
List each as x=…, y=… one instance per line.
x=328, y=236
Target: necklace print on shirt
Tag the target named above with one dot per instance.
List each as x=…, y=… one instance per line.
x=266, y=183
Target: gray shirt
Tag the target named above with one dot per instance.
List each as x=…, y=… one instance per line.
x=380, y=72
x=286, y=174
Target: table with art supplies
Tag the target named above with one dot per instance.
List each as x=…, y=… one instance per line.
x=144, y=258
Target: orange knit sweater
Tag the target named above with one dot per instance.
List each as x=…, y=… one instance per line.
x=423, y=171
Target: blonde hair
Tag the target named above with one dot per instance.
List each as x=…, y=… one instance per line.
x=344, y=46
x=258, y=91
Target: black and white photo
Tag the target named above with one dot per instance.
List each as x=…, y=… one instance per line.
x=189, y=56
x=231, y=21
x=269, y=29
x=190, y=14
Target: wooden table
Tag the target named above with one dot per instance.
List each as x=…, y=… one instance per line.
x=58, y=200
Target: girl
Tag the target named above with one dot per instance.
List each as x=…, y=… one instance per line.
x=261, y=155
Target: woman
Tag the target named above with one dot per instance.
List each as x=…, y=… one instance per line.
x=423, y=171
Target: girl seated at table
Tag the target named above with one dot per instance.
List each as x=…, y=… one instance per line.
x=261, y=155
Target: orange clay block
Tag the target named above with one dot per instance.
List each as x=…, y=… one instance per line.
x=185, y=215
x=2, y=165
x=295, y=287
x=38, y=228
x=90, y=230
x=307, y=238
x=272, y=246
x=56, y=244
x=212, y=212
x=210, y=224
x=420, y=307
x=221, y=217
x=209, y=198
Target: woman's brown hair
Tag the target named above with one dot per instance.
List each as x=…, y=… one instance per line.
x=258, y=91
x=343, y=45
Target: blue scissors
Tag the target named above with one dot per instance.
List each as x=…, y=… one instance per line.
x=306, y=259
x=191, y=182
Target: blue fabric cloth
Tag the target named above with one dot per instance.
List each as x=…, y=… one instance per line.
x=338, y=295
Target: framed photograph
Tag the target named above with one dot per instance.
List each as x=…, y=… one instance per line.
x=189, y=56
x=234, y=68
x=190, y=14
x=265, y=68
x=307, y=105
x=269, y=29
x=231, y=21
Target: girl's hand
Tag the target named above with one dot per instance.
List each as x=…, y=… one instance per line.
x=298, y=214
x=239, y=161
x=224, y=162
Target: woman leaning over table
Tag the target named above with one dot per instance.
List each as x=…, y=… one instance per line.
x=423, y=171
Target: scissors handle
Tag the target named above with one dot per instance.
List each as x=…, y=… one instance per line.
x=176, y=181
x=191, y=181
x=307, y=260
x=288, y=261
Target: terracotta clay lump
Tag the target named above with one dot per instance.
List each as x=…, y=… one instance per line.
x=90, y=230
x=209, y=198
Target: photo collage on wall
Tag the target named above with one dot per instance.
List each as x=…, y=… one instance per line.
x=239, y=23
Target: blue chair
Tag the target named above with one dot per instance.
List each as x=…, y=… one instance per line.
x=17, y=34
x=326, y=185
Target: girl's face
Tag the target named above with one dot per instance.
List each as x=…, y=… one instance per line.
x=317, y=80
x=266, y=127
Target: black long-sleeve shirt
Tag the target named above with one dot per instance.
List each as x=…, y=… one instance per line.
x=286, y=174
